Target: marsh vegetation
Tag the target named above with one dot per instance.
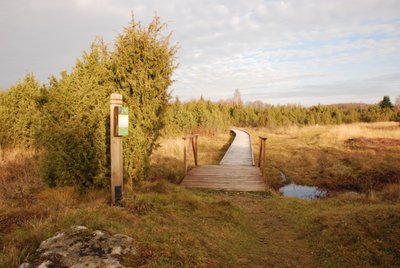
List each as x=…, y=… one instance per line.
x=176, y=226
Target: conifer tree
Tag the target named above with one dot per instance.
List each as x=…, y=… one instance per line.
x=142, y=66
x=386, y=103
x=75, y=130
x=76, y=133
x=19, y=113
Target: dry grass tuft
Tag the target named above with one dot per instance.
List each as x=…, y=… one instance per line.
x=375, y=143
x=19, y=178
x=60, y=197
x=391, y=192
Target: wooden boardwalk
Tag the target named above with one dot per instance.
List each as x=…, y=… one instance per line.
x=240, y=152
x=236, y=171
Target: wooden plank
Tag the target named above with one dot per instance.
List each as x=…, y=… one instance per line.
x=229, y=178
x=240, y=152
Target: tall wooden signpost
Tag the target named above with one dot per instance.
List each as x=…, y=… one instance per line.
x=119, y=123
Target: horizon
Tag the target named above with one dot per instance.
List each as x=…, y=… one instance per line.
x=245, y=103
x=278, y=52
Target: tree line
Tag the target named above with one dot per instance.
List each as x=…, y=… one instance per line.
x=205, y=116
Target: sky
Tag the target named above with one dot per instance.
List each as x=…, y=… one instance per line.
x=280, y=52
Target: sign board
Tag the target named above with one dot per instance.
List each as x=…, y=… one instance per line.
x=122, y=122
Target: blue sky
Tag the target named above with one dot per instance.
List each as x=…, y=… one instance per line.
x=300, y=51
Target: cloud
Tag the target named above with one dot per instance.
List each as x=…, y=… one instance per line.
x=274, y=50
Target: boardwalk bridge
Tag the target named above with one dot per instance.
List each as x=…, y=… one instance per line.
x=235, y=172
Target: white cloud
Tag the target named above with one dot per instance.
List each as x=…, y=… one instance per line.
x=268, y=49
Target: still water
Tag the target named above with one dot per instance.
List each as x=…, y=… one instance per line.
x=302, y=191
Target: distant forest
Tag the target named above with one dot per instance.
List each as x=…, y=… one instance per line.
x=208, y=116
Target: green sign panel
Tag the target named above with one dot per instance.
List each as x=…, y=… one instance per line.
x=123, y=121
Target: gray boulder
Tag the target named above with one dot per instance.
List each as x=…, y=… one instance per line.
x=80, y=247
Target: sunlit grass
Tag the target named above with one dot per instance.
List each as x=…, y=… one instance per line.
x=325, y=156
x=178, y=227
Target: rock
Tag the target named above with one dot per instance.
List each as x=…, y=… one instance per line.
x=46, y=264
x=116, y=251
x=81, y=247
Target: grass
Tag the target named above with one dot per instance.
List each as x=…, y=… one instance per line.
x=178, y=227
x=19, y=177
x=358, y=157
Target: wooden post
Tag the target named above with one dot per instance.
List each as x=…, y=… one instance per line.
x=115, y=151
x=260, y=153
x=189, y=140
x=185, y=158
x=194, y=147
x=197, y=151
x=262, y=156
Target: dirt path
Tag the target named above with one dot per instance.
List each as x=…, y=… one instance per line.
x=279, y=230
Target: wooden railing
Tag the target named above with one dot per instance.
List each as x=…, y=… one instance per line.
x=262, y=157
x=192, y=139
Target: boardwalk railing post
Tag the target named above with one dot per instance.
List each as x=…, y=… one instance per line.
x=260, y=153
x=196, y=151
x=192, y=139
x=194, y=147
x=185, y=160
x=262, y=156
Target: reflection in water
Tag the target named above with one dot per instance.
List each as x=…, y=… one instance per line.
x=301, y=191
